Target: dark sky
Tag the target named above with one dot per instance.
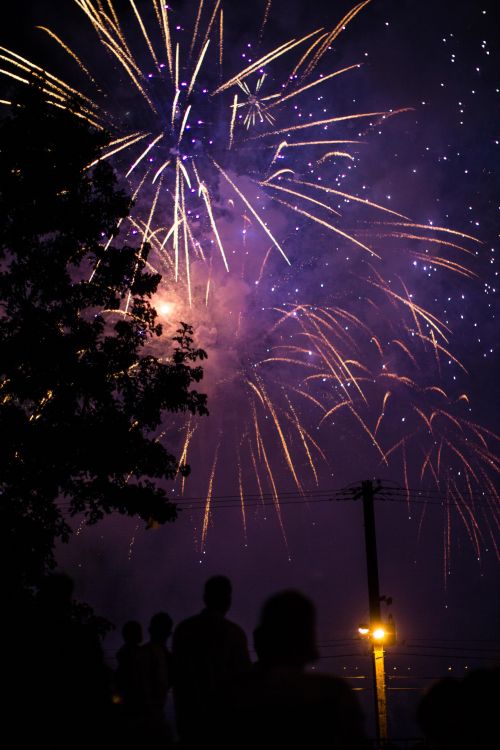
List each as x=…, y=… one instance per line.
x=437, y=162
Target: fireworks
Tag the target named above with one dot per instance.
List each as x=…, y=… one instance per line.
x=236, y=170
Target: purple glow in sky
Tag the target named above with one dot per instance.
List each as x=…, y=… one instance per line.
x=332, y=341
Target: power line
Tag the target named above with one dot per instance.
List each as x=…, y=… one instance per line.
x=392, y=494
x=466, y=657
x=456, y=648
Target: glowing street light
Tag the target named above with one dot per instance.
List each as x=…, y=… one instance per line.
x=378, y=634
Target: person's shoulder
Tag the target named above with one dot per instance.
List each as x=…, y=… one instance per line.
x=234, y=628
x=187, y=625
x=149, y=655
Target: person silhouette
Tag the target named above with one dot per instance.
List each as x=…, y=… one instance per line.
x=68, y=684
x=155, y=664
x=128, y=679
x=208, y=650
x=458, y=714
x=279, y=704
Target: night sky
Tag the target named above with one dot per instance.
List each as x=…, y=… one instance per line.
x=436, y=163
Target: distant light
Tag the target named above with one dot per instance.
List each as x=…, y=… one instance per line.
x=378, y=634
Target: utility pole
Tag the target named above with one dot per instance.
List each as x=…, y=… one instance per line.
x=368, y=493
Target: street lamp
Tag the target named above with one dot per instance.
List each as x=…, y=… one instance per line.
x=383, y=633
x=379, y=635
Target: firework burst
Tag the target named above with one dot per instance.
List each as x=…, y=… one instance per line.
x=233, y=161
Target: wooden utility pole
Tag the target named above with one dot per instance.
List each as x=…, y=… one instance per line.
x=367, y=494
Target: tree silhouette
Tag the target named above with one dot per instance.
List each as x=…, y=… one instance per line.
x=80, y=393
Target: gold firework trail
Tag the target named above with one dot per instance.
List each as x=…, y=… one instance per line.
x=208, y=502
x=175, y=180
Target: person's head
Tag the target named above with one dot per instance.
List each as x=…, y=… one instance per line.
x=132, y=633
x=160, y=627
x=286, y=632
x=440, y=713
x=217, y=594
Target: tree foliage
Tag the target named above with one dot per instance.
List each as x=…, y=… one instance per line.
x=81, y=394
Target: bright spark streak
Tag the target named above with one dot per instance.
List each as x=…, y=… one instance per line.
x=329, y=120
x=431, y=319
x=122, y=52
x=186, y=248
x=265, y=17
x=110, y=240
x=446, y=263
x=206, y=197
x=460, y=455
x=160, y=170
x=285, y=170
x=423, y=238
x=167, y=37
x=306, y=54
x=252, y=210
x=333, y=410
x=185, y=173
x=177, y=66
x=265, y=60
x=234, y=108
x=144, y=238
x=184, y=121
x=313, y=143
x=132, y=77
x=302, y=434
x=424, y=418
x=176, y=218
x=114, y=151
x=144, y=153
x=196, y=27
x=382, y=412
x=328, y=226
x=437, y=345
x=198, y=66
x=211, y=22
x=314, y=83
x=263, y=454
x=208, y=502
x=406, y=350
x=114, y=23
x=350, y=197
x=434, y=229
x=67, y=49
x=174, y=107
x=300, y=195
x=264, y=398
x=315, y=319
x=242, y=499
x=256, y=472
x=50, y=79
x=144, y=32
x=170, y=232
x=368, y=432
x=221, y=40
x=333, y=35
x=377, y=344
x=330, y=154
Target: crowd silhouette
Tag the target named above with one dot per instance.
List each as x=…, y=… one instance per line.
x=61, y=693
